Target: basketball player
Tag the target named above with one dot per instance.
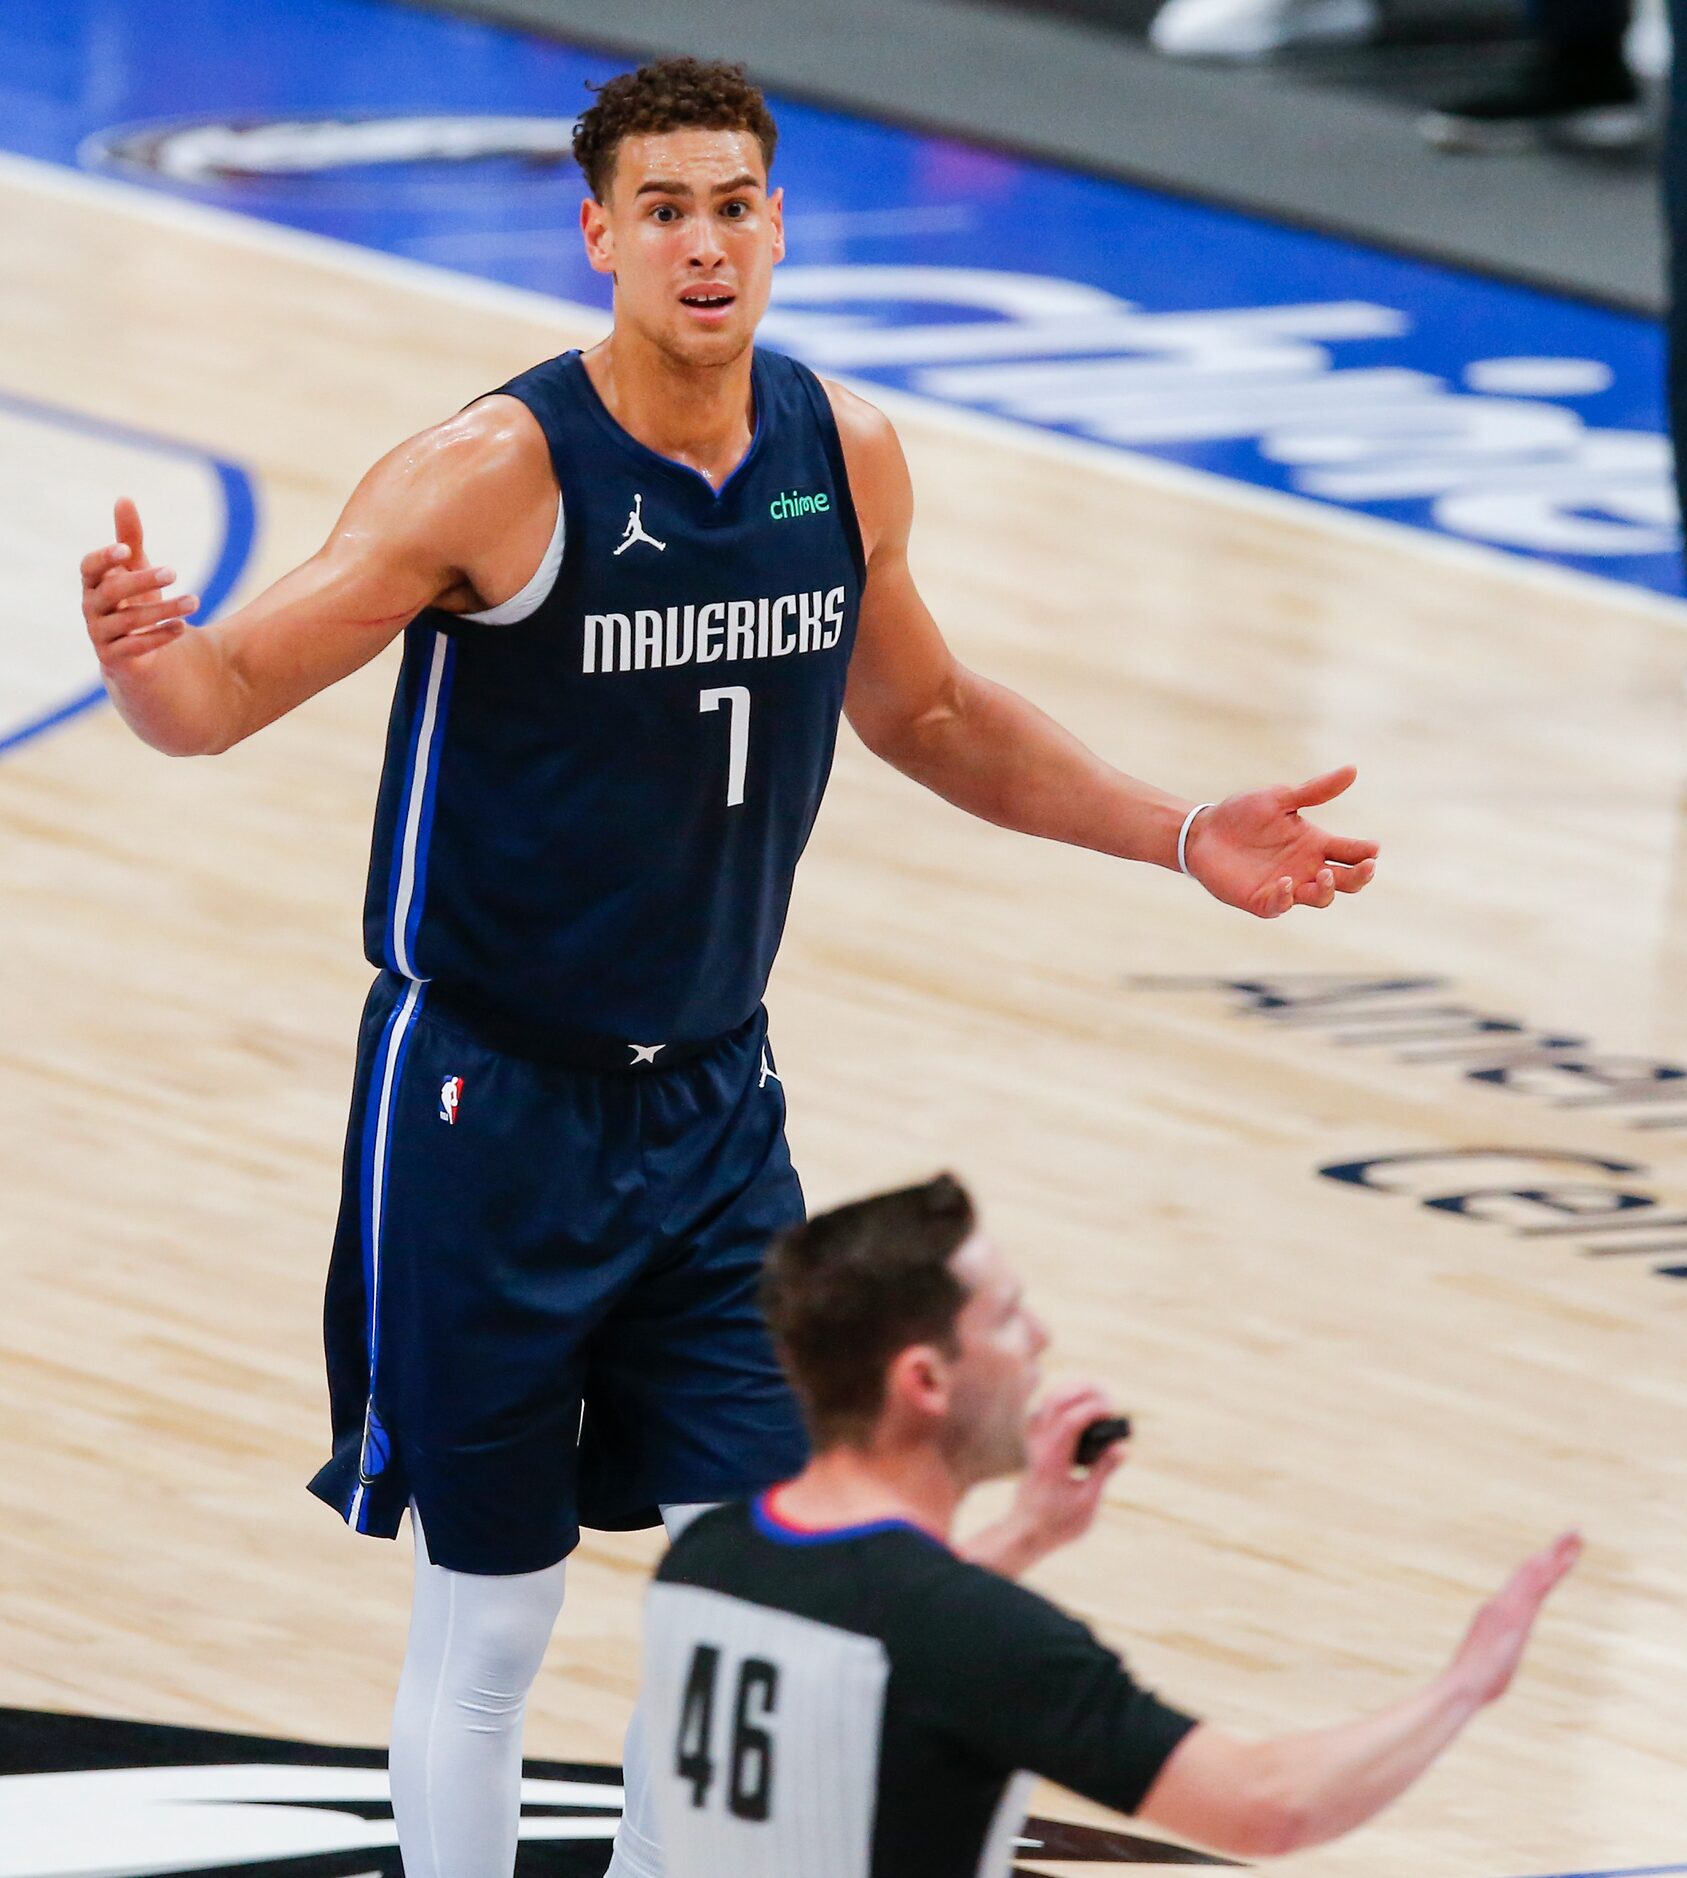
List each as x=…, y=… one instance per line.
x=832, y=1693
x=637, y=587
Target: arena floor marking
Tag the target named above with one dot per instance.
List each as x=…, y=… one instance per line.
x=1280, y=358
x=472, y=292
x=1357, y=1409
x=56, y=460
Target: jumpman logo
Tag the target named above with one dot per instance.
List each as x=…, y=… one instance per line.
x=644, y=1052
x=636, y=530
x=768, y=1073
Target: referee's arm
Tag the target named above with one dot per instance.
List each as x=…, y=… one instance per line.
x=1261, y=1798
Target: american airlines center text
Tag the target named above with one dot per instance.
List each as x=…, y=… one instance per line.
x=768, y=628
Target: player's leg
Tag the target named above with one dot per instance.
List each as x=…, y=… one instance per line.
x=364, y=1480
x=476, y=1643
x=483, y=1237
x=685, y=1400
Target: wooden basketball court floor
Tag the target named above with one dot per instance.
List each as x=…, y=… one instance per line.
x=1354, y=1412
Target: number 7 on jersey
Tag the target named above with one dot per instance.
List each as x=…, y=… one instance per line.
x=737, y=700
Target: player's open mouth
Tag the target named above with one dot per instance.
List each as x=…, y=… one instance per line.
x=706, y=300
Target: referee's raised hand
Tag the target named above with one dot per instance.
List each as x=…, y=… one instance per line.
x=1493, y=1646
x=1056, y=1501
x=1259, y=1798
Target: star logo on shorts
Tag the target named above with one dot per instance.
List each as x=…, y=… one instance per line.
x=644, y=1052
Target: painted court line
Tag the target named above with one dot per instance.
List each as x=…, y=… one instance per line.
x=471, y=291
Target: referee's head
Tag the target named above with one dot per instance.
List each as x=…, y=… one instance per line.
x=901, y=1325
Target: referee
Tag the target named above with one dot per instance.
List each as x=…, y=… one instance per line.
x=833, y=1693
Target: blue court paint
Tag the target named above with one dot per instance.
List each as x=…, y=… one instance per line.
x=239, y=529
x=1289, y=360
x=1632, y=1871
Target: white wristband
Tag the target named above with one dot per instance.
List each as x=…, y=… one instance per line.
x=1183, y=835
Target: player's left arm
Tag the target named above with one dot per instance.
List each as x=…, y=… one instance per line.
x=993, y=753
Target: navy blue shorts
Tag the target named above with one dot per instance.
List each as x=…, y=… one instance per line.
x=541, y=1308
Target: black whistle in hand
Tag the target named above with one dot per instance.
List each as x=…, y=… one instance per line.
x=1098, y=1437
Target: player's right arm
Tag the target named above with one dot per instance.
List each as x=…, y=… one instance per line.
x=434, y=523
x=1261, y=1798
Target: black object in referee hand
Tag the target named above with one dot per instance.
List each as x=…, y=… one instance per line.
x=1098, y=1437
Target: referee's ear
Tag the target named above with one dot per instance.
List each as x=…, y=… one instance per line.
x=918, y=1386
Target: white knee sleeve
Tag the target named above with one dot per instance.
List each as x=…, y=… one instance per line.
x=476, y=1644
x=638, y=1846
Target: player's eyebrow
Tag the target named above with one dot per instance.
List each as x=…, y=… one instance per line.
x=665, y=186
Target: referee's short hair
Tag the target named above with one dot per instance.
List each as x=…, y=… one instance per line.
x=846, y=1291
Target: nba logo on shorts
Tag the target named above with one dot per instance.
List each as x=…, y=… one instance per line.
x=450, y=1094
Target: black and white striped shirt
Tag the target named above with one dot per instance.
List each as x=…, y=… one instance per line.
x=861, y=1703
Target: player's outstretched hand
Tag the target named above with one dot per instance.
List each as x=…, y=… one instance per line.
x=1487, y=1659
x=1256, y=851
x=128, y=614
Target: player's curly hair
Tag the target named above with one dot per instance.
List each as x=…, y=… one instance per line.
x=668, y=94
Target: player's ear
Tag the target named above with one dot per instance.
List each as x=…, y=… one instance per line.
x=776, y=208
x=598, y=235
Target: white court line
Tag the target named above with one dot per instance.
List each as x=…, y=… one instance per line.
x=147, y=205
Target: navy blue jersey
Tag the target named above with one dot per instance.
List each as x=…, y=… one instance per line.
x=589, y=821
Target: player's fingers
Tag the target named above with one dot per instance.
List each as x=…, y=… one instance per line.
x=97, y=564
x=1323, y=788
x=137, y=644
x=128, y=520
x=1345, y=848
x=124, y=585
x=1319, y=891
x=138, y=617
x=1274, y=901
x=1352, y=879
x=153, y=606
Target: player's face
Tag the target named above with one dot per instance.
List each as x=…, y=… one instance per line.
x=998, y=1369
x=691, y=233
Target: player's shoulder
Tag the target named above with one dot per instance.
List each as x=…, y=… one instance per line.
x=878, y=471
x=484, y=462
x=497, y=436
x=862, y=427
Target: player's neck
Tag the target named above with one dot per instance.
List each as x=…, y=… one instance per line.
x=701, y=416
x=854, y=1487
